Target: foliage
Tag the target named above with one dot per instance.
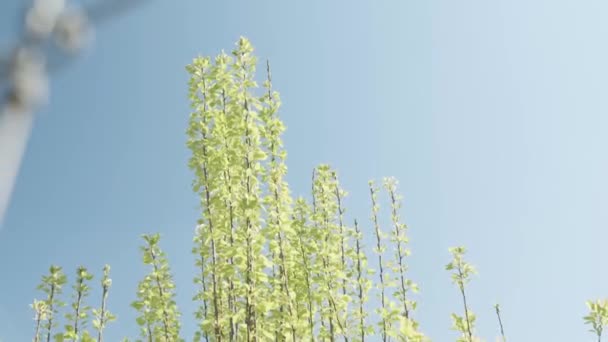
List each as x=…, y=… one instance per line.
x=52, y=286
x=159, y=316
x=269, y=266
x=597, y=317
x=102, y=315
x=41, y=310
x=400, y=239
x=78, y=318
x=384, y=323
x=461, y=275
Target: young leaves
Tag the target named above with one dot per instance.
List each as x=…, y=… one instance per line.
x=52, y=286
x=102, y=315
x=597, y=317
x=363, y=285
x=408, y=331
x=400, y=240
x=269, y=267
x=78, y=317
x=461, y=275
x=206, y=163
x=384, y=310
x=41, y=311
x=328, y=259
x=278, y=207
x=159, y=316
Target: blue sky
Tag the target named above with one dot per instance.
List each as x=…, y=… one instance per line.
x=491, y=115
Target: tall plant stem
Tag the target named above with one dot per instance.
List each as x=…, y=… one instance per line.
x=37, y=333
x=204, y=288
x=328, y=279
x=250, y=305
x=216, y=299
x=342, y=243
x=400, y=251
x=80, y=281
x=149, y=327
x=50, y=320
x=466, y=307
x=359, y=283
x=102, y=315
x=340, y=216
x=307, y=276
x=277, y=198
x=314, y=212
x=502, y=331
x=161, y=293
x=379, y=250
x=228, y=178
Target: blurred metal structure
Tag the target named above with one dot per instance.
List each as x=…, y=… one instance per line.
x=53, y=32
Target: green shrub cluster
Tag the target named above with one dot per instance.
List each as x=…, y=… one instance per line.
x=270, y=266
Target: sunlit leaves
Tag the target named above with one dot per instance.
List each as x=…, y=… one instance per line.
x=461, y=275
x=41, y=314
x=270, y=267
x=52, y=285
x=462, y=271
x=400, y=240
x=103, y=316
x=383, y=310
x=597, y=317
x=159, y=316
x=77, y=318
x=408, y=331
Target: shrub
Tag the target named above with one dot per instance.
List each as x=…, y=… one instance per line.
x=271, y=266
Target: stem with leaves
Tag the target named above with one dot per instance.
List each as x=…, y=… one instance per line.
x=332, y=268
x=147, y=317
x=379, y=251
x=306, y=248
x=347, y=255
x=363, y=282
x=461, y=275
x=79, y=316
x=52, y=285
x=279, y=203
x=250, y=207
x=408, y=327
x=157, y=304
x=41, y=313
x=102, y=315
x=318, y=261
x=201, y=144
x=597, y=317
x=399, y=239
x=502, y=331
x=229, y=203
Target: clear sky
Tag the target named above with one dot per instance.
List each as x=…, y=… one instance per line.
x=491, y=113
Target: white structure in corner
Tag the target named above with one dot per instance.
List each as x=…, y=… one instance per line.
x=15, y=129
x=28, y=84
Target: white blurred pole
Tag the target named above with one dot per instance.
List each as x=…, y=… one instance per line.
x=29, y=91
x=29, y=85
x=70, y=28
x=15, y=127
